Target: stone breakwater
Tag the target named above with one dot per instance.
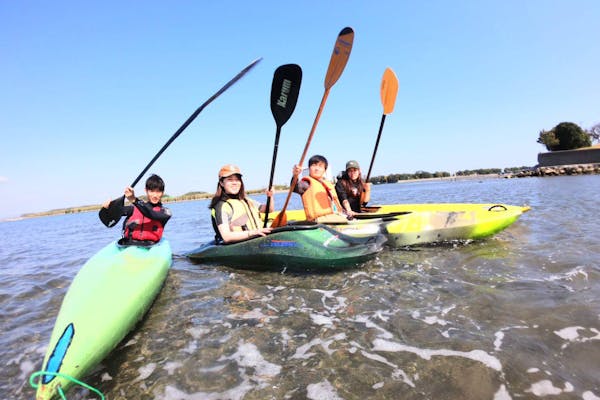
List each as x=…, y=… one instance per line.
x=557, y=170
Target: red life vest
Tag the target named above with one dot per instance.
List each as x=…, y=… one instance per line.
x=140, y=227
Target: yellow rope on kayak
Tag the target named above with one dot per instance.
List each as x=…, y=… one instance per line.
x=67, y=377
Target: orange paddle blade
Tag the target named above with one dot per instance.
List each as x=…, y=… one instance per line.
x=339, y=57
x=279, y=220
x=389, y=90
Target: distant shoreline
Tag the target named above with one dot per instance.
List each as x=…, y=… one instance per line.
x=573, y=170
x=203, y=196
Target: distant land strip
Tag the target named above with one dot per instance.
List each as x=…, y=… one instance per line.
x=515, y=172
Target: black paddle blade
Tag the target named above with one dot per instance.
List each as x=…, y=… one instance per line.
x=111, y=215
x=284, y=92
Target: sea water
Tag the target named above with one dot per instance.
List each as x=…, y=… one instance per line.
x=515, y=316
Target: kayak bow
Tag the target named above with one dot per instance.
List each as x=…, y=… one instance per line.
x=305, y=247
x=108, y=296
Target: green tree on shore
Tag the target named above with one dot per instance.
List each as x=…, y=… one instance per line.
x=564, y=136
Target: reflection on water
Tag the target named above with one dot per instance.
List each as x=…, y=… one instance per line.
x=515, y=316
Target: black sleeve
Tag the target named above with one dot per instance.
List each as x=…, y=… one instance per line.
x=126, y=211
x=162, y=215
x=341, y=191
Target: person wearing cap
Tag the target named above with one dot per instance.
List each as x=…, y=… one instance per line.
x=235, y=216
x=319, y=199
x=352, y=191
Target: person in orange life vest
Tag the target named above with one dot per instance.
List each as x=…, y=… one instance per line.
x=319, y=199
x=235, y=216
x=352, y=191
x=145, y=220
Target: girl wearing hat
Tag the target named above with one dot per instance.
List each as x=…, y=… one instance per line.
x=351, y=189
x=235, y=216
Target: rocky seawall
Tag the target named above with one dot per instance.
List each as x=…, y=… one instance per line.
x=556, y=170
x=567, y=162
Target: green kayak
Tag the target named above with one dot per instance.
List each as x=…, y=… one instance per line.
x=306, y=247
x=109, y=295
x=415, y=224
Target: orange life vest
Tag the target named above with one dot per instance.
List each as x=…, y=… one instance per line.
x=319, y=199
x=140, y=227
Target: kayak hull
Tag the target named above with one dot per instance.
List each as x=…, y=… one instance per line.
x=108, y=296
x=293, y=247
x=416, y=224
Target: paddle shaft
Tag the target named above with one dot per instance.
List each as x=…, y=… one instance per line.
x=111, y=215
x=310, y=136
x=285, y=89
x=273, y=162
x=193, y=117
x=337, y=63
x=376, y=146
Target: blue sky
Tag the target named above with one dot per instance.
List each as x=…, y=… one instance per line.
x=92, y=90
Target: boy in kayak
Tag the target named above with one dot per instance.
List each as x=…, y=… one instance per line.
x=352, y=191
x=145, y=220
x=320, y=201
x=235, y=216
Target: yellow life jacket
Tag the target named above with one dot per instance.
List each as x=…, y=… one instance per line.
x=319, y=199
x=245, y=215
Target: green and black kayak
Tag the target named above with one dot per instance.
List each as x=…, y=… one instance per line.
x=416, y=224
x=108, y=296
x=302, y=247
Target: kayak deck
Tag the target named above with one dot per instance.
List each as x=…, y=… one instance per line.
x=108, y=296
x=414, y=224
x=294, y=247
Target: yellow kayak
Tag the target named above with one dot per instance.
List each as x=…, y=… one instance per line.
x=411, y=224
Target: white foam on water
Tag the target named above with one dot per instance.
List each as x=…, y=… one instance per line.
x=570, y=275
x=27, y=368
x=502, y=394
x=378, y=385
x=235, y=393
x=197, y=332
x=380, y=315
x=475, y=355
x=572, y=335
x=320, y=319
x=285, y=336
x=330, y=294
x=328, y=342
x=498, y=342
x=191, y=347
x=253, y=314
x=363, y=319
x=302, y=352
x=171, y=366
x=106, y=377
x=547, y=388
x=588, y=395
x=448, y=309
x=500, y=335
x=247, y=355
x=145, y=372
x=430, y=320
x=398, y=372
x=322, y=391
x=360, y=273
x=533, y=370
x=446, y=333
x=216, y=368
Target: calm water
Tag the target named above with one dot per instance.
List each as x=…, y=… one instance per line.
x=516, y=316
